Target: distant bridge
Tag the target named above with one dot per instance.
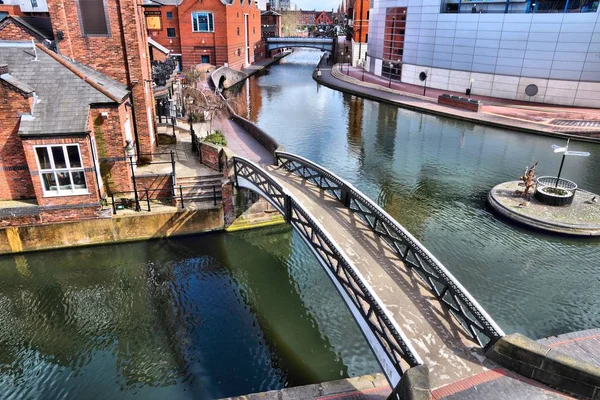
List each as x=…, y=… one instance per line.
x=408, y=305
x=274, y=43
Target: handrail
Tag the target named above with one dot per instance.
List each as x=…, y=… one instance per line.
x=446, y=288
x=391, y=345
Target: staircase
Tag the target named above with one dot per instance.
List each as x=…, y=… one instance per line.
x=199, y=189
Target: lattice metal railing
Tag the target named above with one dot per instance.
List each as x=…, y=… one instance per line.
x=477, y=324
x=398, y=351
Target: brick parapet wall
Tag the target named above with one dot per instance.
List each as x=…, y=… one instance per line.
x=15, y=179
x=459, y=102
x=210, y=155
x=158, y=186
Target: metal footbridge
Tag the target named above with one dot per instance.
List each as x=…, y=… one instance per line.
x=410, y=308
x=274, y=43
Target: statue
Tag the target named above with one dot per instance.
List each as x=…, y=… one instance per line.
x=528, y=180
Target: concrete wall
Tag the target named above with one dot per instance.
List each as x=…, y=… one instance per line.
x=502, y=53
x=109, y=230
x=359, y=51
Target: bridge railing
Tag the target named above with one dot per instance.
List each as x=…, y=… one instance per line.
x=368, y=309
x=478, y=325
x=298, y=39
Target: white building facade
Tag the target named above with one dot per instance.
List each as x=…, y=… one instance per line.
x=529, y=53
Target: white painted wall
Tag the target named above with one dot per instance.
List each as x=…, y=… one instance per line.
x=503, y=53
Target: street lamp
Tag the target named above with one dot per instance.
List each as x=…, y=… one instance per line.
x=362, y=63
x=130, y=152
x=391, y=64
x=348, y=64
x=342, y=54
x=470, y=87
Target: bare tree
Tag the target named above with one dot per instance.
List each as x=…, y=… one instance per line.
x=289, y=22
x=201, y=102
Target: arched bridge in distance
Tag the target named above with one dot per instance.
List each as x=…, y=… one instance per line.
x=410, y=308
x=274, y=43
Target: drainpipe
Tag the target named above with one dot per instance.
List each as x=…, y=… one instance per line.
x=128, y=73
x=360, y=30
x=96, y=162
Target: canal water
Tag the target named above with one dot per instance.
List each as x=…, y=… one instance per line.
x=433, y=175
x=226, y=314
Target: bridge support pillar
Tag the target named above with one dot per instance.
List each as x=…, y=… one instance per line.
x=345, y=196
x=287, y=200
x=414, y=385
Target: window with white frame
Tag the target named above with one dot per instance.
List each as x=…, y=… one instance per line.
x=61, y=169
x=202, y=22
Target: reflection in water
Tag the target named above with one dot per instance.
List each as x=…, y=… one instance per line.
x=197, y=317
x=433, y=175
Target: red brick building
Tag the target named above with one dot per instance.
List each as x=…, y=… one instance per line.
x=69, y=108
x=110, y=37
x=270, y=23
x=57, y=119
x=212, y=31
x=324, y=18
x=358, y=16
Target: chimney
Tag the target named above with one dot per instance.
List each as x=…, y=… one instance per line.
x=3, y=69
x=268, y=6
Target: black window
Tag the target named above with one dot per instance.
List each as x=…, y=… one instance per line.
x=93, y=17
x=238, y=31
x=170, y=32
x=169, y=15
x=205, y=59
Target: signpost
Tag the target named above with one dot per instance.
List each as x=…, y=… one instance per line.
x=566, y=152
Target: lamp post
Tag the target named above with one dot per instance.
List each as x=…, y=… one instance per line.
x=349, y=60
x=342, y=54
x=130, y=152
x=470, y=87
x=391, y=64
x=362, y=63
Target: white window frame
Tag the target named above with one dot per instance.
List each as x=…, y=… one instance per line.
x=58, y=192
x=211, y=21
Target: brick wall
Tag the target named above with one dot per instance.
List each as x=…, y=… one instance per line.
x=223, y=44
x=15, y=180
x=10, y=9
x=9, y=30
x=109, y=134
x=159, y=186
x=173, y=44
x=56, y=201
x=210, y=155
x=107, y=54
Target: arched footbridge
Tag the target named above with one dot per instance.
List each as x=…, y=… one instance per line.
x=274, y=43
x=409, y=307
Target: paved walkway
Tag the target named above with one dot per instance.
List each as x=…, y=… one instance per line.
x=241, y=142
x=516, y=115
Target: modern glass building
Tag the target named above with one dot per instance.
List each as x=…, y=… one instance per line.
x=544, y=51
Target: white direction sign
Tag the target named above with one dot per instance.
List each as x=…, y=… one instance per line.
x=558, y=149
x=576, y=153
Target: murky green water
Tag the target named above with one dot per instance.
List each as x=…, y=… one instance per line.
x=196, y=317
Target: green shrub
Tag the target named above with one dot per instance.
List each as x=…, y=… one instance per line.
x=197, y=117
x=216, y=138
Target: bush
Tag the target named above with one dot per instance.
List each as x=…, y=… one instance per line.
x=197, y=117
x=216, y=138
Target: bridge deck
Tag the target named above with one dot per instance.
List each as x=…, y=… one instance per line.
x=438, y=339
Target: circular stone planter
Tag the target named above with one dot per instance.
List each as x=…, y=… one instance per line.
x=547, y=191
x=582, y=218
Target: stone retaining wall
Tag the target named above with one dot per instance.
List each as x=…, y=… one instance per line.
x=110, y=230
x=546, y=365
x=459, y=102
